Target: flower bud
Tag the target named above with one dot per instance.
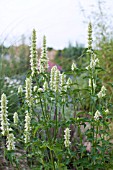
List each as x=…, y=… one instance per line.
x=45, y=86
x=89, y=37
x=20, y=89
x=73, y=66
x=102, y=92
x=97, y=115
x=15, y=118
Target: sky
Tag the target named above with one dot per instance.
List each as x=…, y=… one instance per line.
x=62, y=21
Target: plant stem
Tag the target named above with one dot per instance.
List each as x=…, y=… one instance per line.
x=52, y=160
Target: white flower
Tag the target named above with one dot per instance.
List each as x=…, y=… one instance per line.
x=27, y=127
x=40, y=90
x=87, y=68
x=4, y=116
x=35, y=88
x=93, y=83
x=93, y=62
x=102, y=92
x=20, y=89
x=11, y=91
x=15, y=118
x=106, y=111
x=10, y=142
x=67, y=137
x=45, y=86
x=97, y=115
x=69, y=82
x=73, y=66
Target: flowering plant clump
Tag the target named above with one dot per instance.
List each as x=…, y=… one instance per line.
x=63, y=119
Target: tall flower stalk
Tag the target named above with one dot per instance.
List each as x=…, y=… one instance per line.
x=33, y=55
x=44, y=58
x=94, y=62
x=4, y=116
x=57, y=81
x=90, y=37
x=52, y=77
x=27, y=127
x=67, y=137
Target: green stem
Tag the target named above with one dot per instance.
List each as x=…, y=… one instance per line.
x=52, y=160
x=42, y=108
x=56, y=118
x=63, y=111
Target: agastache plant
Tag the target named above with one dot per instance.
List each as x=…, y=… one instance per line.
x=64, y=115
